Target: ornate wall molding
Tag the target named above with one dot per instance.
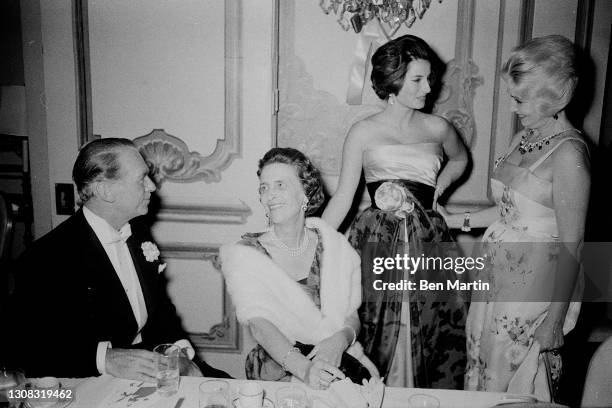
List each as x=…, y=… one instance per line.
x=311, y=120
x=184, y=166
x=80, y=32
x=169, y=158
x=316, y=122
x=225, y=335
x=456, y=102
x=205, y=214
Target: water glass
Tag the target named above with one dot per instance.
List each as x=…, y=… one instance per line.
x=167, y=369
x=291, y=396
x=214, y=394
x=250, y=395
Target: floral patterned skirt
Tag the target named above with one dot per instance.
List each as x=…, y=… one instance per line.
x=500, y=330
x=437, y=317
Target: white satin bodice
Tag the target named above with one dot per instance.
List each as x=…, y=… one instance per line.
x=419, y=162
x=525, y=200
x=524, y=213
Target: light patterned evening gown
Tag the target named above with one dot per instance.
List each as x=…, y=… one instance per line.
x=522, y=247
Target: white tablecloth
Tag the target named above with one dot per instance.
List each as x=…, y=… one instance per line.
x=110, y=392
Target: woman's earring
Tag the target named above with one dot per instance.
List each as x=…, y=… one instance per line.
x=269, y=220
x=390, y=100
x=556, y=116
x=304, y=206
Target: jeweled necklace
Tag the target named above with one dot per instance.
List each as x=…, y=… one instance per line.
x=299, y=250
x=526, y=146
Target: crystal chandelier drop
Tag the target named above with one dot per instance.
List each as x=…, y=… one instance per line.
x=392, y=13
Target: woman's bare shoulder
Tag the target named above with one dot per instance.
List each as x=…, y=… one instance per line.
x=366, y=129
x=437, y=126
x=572, y=149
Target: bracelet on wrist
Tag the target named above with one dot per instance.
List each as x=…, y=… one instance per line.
x=466, y=227
x=284, y=359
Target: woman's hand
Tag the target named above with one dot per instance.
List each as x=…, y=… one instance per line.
x=549, y=334
x=321, y=374
x=437, y=194
x=454, y=221
x=442, y=210
x=448, y=217
x=330, y=349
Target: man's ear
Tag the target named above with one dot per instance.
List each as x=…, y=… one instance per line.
x=104, y=191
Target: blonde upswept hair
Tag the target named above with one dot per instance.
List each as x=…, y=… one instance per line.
x=544, y=70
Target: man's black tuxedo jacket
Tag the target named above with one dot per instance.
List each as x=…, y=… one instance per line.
x=68, y=298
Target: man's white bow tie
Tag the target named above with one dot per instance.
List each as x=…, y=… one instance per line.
x=122, y=235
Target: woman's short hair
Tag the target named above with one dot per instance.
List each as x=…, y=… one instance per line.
x=307, y=173
x=98, y=160
x=544, y=70
x=390, y=63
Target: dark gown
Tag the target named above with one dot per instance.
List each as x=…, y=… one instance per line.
x=435, y=318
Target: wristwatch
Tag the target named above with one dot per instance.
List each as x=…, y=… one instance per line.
x=466, y=227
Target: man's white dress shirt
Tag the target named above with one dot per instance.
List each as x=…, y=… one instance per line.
x=115, y=246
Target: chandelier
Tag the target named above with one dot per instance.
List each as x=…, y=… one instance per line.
x=392, y=13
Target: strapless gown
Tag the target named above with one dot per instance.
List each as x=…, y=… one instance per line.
x=522, y=248
x=415, y=338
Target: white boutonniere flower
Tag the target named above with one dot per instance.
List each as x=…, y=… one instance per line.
x=150, y=251
x=161, y=267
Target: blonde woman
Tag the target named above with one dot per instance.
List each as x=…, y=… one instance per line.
x=535, y=232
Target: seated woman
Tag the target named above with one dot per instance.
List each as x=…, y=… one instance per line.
x=298, y=283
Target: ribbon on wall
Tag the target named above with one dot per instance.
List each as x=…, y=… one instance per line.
x=370, y=38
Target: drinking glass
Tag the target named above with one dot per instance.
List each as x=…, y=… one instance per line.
x=167, y=369
x=291, y=396
x=250, y=395
x=214, y=394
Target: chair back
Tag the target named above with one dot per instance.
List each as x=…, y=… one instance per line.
x=598, y=384
x=6, y=228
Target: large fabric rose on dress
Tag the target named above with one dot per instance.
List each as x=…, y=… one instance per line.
x=392, y=197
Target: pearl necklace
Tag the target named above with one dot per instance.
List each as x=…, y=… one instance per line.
x=292, y=251
x=526, y=146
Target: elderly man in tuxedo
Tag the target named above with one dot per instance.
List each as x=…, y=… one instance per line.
x=90, y=295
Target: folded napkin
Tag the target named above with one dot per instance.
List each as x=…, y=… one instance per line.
x=350, y=395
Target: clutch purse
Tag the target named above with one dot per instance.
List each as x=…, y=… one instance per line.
x=349, y=365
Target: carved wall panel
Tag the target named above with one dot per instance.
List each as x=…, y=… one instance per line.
x=456, y=102
x=225, y=335
x=180, y=165
x=316, y=122
x=150, y=65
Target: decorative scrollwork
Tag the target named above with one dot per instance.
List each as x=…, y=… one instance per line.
x=169, y=158
x=460, y=83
